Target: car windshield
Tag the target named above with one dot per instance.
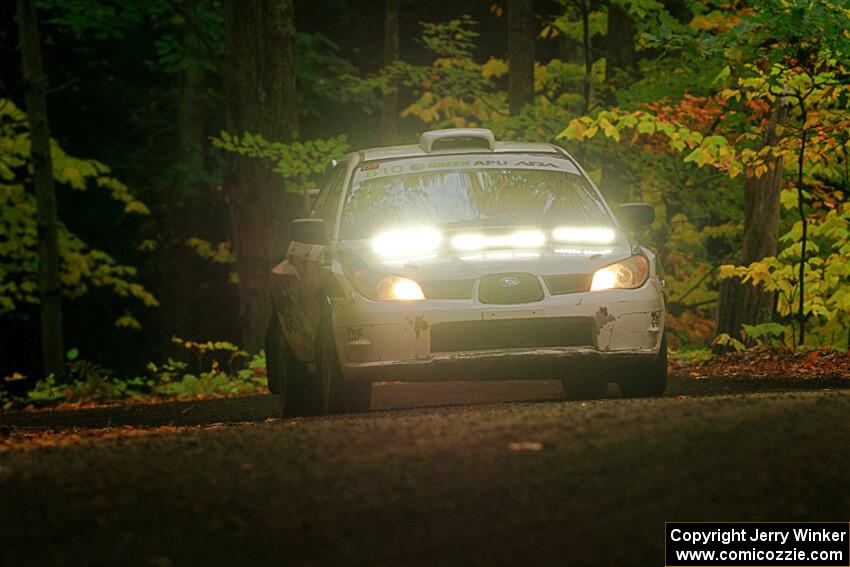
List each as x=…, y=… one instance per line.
x=470, y=197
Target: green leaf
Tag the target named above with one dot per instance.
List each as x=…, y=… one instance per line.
x=646, y=127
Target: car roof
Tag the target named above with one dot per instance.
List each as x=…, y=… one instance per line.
x=413, y=150
x=463, y=141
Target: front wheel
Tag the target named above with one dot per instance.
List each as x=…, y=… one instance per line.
x=648, y=379
x=286, y=376
x=332, y=393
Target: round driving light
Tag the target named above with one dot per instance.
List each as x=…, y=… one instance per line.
x=603, y=279
x=407, y=290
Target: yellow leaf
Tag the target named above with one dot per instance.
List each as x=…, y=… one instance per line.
x=610, y=130
x=74, y=177
x=135, y=206
x=734, y=169
x=14, y=377
x=494, y=68
x=127, y=321
x=574, y=131
x=727, y=271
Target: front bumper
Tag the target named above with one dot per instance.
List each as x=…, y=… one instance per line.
x=392, y=340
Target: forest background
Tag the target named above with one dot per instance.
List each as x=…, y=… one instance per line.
x=183, y=134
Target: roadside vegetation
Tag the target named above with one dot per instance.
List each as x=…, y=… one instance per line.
x=215, y=369
x=731, y=118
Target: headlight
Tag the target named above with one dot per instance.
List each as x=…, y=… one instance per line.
x=387, y=288
x=628, y=274
x=399, y=289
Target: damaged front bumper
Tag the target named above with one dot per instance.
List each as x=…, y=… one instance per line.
x=435, y=340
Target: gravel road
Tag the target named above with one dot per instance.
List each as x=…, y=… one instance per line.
x=528, y=483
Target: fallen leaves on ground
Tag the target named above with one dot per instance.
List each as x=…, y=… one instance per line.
x=773, y=363
x=525, y=446
x=12, y=438
x=141, y=400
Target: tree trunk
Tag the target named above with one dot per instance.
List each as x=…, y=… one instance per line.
x=389, y=115
x=587, y=49
x=183, y=211
x=521, y=54
x=620, y=54
x=804, y=221
x=50, y=289
x=743, y=303
x=261, y=99
x=619, y=57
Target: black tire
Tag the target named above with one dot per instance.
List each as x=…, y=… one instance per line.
x=585, y=385
x=334, y=394
x=274, y=355
x=648, y=379
x=287, y=377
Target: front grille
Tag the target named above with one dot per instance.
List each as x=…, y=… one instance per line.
x=447, y=289
x=509, y=288
x=573, y=283
x=511, y=333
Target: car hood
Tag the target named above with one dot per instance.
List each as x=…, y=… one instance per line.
x=548, y=260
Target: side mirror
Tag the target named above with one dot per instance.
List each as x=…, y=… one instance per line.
x=308, y=231
x=636, y=215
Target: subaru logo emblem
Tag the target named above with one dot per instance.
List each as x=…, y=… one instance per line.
x=509, y=281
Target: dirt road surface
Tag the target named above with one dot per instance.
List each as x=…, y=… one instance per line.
x=487, y=483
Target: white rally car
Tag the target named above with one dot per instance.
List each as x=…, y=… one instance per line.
x=463, y=258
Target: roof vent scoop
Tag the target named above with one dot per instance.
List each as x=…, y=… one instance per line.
x=457, y=138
